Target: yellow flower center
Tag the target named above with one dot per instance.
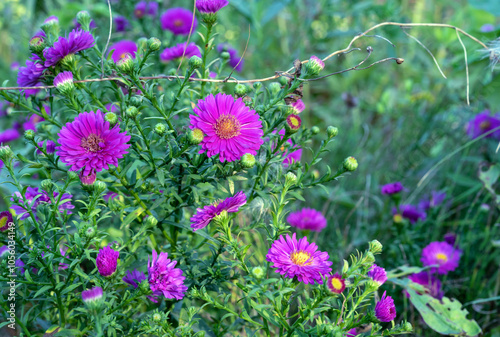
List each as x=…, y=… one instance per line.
x=3, y=221
x=92, y=143
x=300, y=258
x=398, y=218
x=484, y=125
x=336, y=283
x=138, y=13
x=178, y=23
x=227, y=127
x=442, y=257
x=294, y=122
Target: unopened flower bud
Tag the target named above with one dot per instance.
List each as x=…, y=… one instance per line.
x=257, y=85
x=88, y=180
x=6, y=153
x=156, y=317
x=283, y=80
x=151, y=221
x=136, y=101
x=407, y=327
x=69, y=61
x=160, y=129
x=89, y=231
x=350, y=164
x=258, y=272
x=290, y=179
x=196, y=136
x=72, y=175
x=126, y=63
x=274, y=88
x=83, y=18
x=195, y=62
x=369, y=258
x=248, y=160
x=154, y=44
x=375, y=247
x=240, y=90
x=332, y=131
x=100, y=187
x=46, y=185
x=29, y=134
x=315, y=174
x=51, y=26
x=315, y=130
x=132, y=112
x=371, y=286
x=64, y=82
x=142, y=43
x=112, y=118
x=225, y=55
x=293, y=123
x=314, y=66
x=37, y=44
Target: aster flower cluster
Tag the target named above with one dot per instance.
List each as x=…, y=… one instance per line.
x=208, y=213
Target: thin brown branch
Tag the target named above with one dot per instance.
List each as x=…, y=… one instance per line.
x=241, y=58
x=189, y=36
x=109, y=38
x=428, y=51
x=466, y=65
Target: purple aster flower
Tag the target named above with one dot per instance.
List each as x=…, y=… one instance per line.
x=9, y=135
x=206, y=214
x=210, y=6
x=292, y=154
x=50, y=146
x=442, y=254
x=121, y=23
x=152, y=9
x=88, y=180
x=64, y=81
x=20, y=264
x=164, y=278
x=31, y=75
x=33, y=199
x=483, y=123
x=231, y=128
x=351, y=333
x=385, y=310
x=51, y=19
x=179, y=21
x=411, y=213
x=4, y=250
x=14, y=66
x=307, y=219
x=487, y=28
x=140, y=9
x=110, y=195
x=336, y=283
x=430, y=283
x=298, y=106
x=235, y=60
x=5, y=220
x=436, y=199
x=392, y=188
x=93, y=295
x=134, y=278
x=77, y=40
x=179, y=51
x=89, y=143
x=123, y=48
x=300, y=259
x=106, y=261
x=377, y=274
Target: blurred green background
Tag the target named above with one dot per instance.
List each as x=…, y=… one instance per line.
x=402, y=123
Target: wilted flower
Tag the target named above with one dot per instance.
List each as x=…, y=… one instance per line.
x=89, y=143
x=205, y=215
x=392, y=188
x=164, y=278
x=5, y=220
x=307, y=219
x=430, y=283
x=231, y=128
x=134, y=278
x=122, y=49
x=484, y=123
x=442, y=254
x=77, y=40
x=180, y=50
x=180, y=21
x=300, y=259
x=385, y=310
x=336, y=283
x=377, y=274
x=107, y=261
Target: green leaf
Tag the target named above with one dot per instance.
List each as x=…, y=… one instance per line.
x=131, y=217
x=489, y=178
x=42, y=290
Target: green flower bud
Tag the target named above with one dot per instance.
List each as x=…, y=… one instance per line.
x=314, y=66
x=195, y=62
x=46, y=185
x=369, y=259
x=69, y=61
x=72, y=175
x=112, y=118
x=6, y=154
x=142, y=43
x=144, y=287
x=89, y=232
x=350, y=164
x=136, y=101
x=37, y=44
x=240, y=90
x=375, y=247
x=225, y=55
x=209, y=18
x=126, y=64
x=156, y=317
x=257, y=85
x=371, y=286
x=51, y=26
x=195, y=136
x=283, y=80
x=29, y=134
x=160, y=129
x=83, y=18
x=248, y=161
x=154, y=44
x=151, y=221
x=315, y=130
x=274, y=88
x=132, y=112
x=407, y=327
x=290, y=179
x=332, y=131
x=100, y=187
x=258, y=272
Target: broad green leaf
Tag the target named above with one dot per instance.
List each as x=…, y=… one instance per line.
x=131, y=217
x=489, y=178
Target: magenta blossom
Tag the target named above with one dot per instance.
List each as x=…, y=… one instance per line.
x=441, y=254
x=385, y=310
x=210, y=6
x=34, y=198
x=392, y=188
x=31, y=74
x=411, y=213
x=484, y=123
x=206, y=214
x=180, y=50
x=292, y=154
x=134, y=278
x=235, y=61
x=307, y=219
x=5, y=220
x=164, y=278
x=107, y=261
x=180, y=21
x=377, y=274
x=77, y=41
x=123, y=48
x=300, y=259
x=9, y=135
x=431, y=283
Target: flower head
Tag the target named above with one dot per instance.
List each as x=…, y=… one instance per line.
x=314, y=66
x=180, y=21
x=180, y=50
x=64, y=82
x=307, y=219
x=293, y=123
x=145, y=8
x=484, y=123
x=392, y=188
x=5, y=220
x=31, y=74
x=123, y=49
x=298, y=106
x=336, y=283
x=232, y=128
x=152, y=9
x=377, y=274
x=134, y=278
x=89, y=143
x=292, y=154
x=442, y=254
x=385, y=310
x=4, y=250
x=300, y=259
x=164, y=278
x=411, y=213
x=351, y=333
x=235, y=61
x=93, y=296
x=430, y=283
x=206, y=214
x=9, y=135
x=77, y=40
x=210, y=6
x=121, y=23
x=106, y=261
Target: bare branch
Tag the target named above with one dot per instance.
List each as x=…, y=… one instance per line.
x=430, y=53
x=466, y=65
